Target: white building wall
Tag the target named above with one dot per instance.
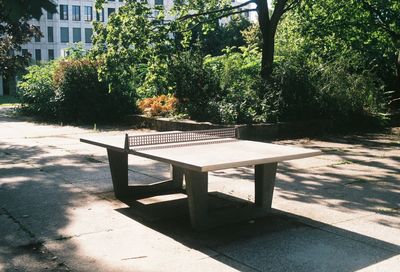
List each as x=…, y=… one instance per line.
x=57, y=23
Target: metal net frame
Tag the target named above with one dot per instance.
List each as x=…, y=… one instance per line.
x=179, y=137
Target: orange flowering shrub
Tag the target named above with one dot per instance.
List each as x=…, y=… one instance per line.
x=162, y=105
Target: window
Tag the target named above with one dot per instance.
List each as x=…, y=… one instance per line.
x=64, y=34
x=100, y=15
x=37, y=38
x=76, y=35
x=51, y=54
x=38, y=55
x=88, y=35
x=63, y=12
x=88, y=13
x=159, y=2
x=110, y=11
x=50, y=34
x=25, y=52
x=49, y=15
x=76, y=13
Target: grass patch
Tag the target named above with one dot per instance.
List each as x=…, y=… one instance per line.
x=9, y=100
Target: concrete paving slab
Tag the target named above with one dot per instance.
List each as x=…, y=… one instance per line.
x=335, y=212
x=387, y=265
x=133, y=249
x=19, y=251
x=68, y=212
x=379, y=226
x=305, y=249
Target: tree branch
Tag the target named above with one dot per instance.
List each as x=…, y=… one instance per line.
x=215, y=11
x=277, y=14
x=220, y=17
x=381, y=20
x=292, y=5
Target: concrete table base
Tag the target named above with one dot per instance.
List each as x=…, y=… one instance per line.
x=196, y=189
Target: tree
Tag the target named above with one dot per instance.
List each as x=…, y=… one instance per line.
x=15, y=31
x=371, y=29
x=133, y=49
x=195, y=12
x=386, y=16
x=222, y=36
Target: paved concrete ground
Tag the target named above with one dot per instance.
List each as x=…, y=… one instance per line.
x=336, y=212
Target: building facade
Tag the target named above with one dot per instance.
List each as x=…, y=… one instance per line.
x=72, y=24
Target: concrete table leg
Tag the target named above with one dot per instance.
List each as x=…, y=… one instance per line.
x=264, y=184
x=119, y=172
x=118, y=161
x=197, y=188
x=177, y=177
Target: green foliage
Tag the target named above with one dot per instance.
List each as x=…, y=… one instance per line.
x=293, y=93
x=194, y=85
x=238, y=100
x=37, y=92
x=133, y=50
x=76, y=51
x=345, y=94
x=334, y=28
x=222, y=36
x=203, y=23
x=81, y=97
x=69, y=90
x=252, y=35
x=220, y=89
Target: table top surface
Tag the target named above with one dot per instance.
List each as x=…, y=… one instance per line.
x=209, y=155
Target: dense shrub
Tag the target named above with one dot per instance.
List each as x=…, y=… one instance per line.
x=291, y=93
x=37, y=92
x=69, y=90
x=227, y=89
x=82, y=97
x=194, y=86
x=238, y=100
x=346, y=92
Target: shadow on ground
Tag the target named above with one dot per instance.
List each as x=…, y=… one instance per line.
x=38, y=198
x=278, y=242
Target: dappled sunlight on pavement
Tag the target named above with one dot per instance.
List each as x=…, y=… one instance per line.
x=336, y=212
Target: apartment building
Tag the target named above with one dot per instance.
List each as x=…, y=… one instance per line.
x=72, y=24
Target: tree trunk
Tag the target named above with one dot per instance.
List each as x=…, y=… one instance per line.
x=267, y=58
x=395, y=103
x=268, y=42
x=268, y=25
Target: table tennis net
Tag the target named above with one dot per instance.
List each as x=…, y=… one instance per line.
x=179, y=137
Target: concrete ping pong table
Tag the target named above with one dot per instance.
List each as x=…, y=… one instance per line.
x=192, y=154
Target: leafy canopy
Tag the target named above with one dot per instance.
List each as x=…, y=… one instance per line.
x=133, y=50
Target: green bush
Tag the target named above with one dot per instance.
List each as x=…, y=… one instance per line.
x=194, y=86
x=238, y=100
x=346, y=92
x=291, y=93
x=227, y=89
x=36, y=91
x=82, y=97
x=69, y=90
